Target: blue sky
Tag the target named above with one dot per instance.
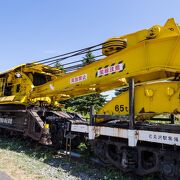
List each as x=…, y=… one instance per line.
x=35, y=29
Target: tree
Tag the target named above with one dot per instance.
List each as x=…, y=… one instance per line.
x=82, y=104
x=89, y=58
x=59, y=66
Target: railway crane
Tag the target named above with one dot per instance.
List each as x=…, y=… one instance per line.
x=137, y=131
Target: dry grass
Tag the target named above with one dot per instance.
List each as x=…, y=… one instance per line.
x=25, y=161
x=21, y=161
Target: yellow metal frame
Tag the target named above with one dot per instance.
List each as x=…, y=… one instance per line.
x=153, y=98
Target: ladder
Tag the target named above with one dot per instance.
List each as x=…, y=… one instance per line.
x=69, y=138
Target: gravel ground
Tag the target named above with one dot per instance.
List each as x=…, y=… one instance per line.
x=4, y=176
x=22, y=160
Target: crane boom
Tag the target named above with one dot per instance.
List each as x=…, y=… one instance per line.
x=149, y=55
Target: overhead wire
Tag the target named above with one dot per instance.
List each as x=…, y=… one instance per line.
x=84, y=49
x=59, y=58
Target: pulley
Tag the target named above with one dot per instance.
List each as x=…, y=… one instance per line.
x=113, y=45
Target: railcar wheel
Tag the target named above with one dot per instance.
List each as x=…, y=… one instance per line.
x=100, y=148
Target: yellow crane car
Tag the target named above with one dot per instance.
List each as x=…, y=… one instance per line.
x=137, y=131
